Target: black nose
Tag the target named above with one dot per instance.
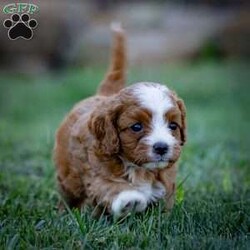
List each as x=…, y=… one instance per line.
x=160, y=148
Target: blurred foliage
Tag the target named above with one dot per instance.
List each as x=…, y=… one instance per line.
x=211, y=51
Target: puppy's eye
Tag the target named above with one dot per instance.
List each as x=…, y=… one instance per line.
x=173, y=125
x=137, y=127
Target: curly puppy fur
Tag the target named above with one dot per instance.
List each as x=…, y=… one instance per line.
x=117, y=151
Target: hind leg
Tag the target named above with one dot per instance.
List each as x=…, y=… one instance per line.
x=72, y=191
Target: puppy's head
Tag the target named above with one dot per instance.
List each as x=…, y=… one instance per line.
x=144, y=125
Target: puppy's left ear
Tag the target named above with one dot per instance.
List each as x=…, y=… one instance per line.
x=182, y=108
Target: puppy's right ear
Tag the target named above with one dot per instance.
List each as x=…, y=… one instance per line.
x=182, y=108
x=102, y=126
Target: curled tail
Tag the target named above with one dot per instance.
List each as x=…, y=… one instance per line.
x=114, y=80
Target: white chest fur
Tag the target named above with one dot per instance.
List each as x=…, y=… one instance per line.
x=152, y=192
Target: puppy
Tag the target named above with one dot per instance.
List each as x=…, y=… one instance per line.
x=117, y=151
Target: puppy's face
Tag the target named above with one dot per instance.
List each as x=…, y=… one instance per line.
x=146, y=126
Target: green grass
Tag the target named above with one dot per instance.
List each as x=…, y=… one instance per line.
x=212, y=209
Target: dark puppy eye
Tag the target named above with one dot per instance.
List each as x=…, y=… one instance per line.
x=137, y=127
x=173, y=125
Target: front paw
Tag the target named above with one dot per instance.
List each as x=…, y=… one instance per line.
x=127, y=201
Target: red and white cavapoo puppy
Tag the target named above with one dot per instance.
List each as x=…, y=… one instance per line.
x=117, y=150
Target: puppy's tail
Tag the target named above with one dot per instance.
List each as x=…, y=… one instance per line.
x=114, y=80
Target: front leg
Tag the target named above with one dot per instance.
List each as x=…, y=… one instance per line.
x=118, y=196
x=168, y=178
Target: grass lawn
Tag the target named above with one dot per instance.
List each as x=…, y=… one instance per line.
x=212, y=208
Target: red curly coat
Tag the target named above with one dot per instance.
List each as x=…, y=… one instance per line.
x=105, y=150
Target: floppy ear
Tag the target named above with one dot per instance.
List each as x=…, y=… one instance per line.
x=182, y=108
x=102, y=125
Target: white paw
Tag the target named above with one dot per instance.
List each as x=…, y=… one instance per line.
x=127, y=201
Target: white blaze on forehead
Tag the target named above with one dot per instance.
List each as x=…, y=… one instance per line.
x=153, y=96
x=156, y=99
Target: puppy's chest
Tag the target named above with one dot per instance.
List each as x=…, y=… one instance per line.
x=147, y=184
x=153, y=192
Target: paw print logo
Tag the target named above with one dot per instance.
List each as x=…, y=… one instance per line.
x=20, y=26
